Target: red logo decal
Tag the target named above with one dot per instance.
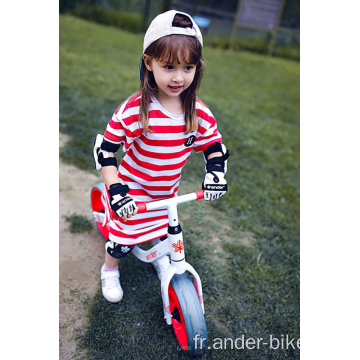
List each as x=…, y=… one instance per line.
x=178, y=246
x=151, y=255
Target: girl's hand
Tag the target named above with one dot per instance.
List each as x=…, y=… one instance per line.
x=214, y=185
x=123, y=205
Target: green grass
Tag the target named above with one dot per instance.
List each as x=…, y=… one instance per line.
x=79, y=223
x=251, y=283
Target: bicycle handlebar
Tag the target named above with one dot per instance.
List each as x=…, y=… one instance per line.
x=159, y=204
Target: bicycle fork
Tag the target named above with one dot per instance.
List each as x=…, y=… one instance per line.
x=178, y=264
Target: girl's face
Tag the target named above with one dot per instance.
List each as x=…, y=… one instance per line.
x=171, y=79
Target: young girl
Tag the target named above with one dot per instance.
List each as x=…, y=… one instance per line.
x=158, y=127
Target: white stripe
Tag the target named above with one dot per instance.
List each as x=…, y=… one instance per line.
x=140, y=239
x=158, y=121
x=148, y=215
x=117, y=117
x=161, y=149
x=130, y=112
x=146, y=182
x=203, y=108
x=136, y=227
x=205, y=141
x=157, y=106
x=203, y=123
x=144, y=198
x=133, y=127
x=117, y=132
x=168, y=136
x=159, y=162
x=153, y=173
x=210, y=131
x=200, y=143
x=136, y=186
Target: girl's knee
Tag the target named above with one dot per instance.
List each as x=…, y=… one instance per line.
x=117, y=251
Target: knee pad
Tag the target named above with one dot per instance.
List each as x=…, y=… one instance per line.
x=117, y=251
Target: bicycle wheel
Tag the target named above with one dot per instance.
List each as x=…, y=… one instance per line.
x=187, y=316
x=98, y=206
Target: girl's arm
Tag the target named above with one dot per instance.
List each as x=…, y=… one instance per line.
x=109, y=173
x=215, y=154
x=118, y=200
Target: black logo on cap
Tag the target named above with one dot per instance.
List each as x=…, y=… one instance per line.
x=190, y=140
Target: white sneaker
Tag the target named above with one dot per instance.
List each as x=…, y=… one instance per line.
x=110, y=284
x=161, y=265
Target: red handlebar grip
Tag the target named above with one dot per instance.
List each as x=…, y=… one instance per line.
x=141, y=207
x=199, y=194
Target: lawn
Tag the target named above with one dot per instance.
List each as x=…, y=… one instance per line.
x=244, y=246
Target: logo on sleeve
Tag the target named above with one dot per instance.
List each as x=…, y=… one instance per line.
x=190, y=140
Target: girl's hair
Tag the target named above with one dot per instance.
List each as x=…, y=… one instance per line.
x=173, y=49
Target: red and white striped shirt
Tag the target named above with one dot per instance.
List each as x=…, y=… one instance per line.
x=153, y=161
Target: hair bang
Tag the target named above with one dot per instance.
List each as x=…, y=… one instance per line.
x=175, y=49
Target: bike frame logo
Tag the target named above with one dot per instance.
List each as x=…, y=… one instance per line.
x=151, y=255
x=178, y=246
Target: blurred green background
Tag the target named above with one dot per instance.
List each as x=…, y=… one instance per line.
x=245, y=246
x=135, y=16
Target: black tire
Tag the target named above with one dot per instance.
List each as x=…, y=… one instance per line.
x=187, y=315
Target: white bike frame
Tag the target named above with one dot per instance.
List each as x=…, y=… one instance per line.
x=172, y=246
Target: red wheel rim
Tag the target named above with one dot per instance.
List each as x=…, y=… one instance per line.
x=179, y=327
x=97, y=206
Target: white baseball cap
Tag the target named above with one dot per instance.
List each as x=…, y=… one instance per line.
x=162, y=26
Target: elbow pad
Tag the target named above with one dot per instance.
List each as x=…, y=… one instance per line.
x=102, y=158
x=212, y=164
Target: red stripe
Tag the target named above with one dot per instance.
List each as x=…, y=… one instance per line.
x=205, y=146
x=143, y=221
x=158, y=114
x=201, y=129
x=135, y=236
x=132, y=102
x=155, y=167
x=134, y=134
x=137, y=132
x=127, y=145
x=147, y=177
x=117, y=110
x=118, y=139
x=126, y=179
x=202, y=114
x=140, y=192
x=154, y=155
x=168, y=129
x=199, y=101
x=115, y=125
x=165, y=143
x=202, y=138
x=144, y=241
x=131, y=119
x=128, y=133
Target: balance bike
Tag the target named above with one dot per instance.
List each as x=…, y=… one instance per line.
x=182, y=299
